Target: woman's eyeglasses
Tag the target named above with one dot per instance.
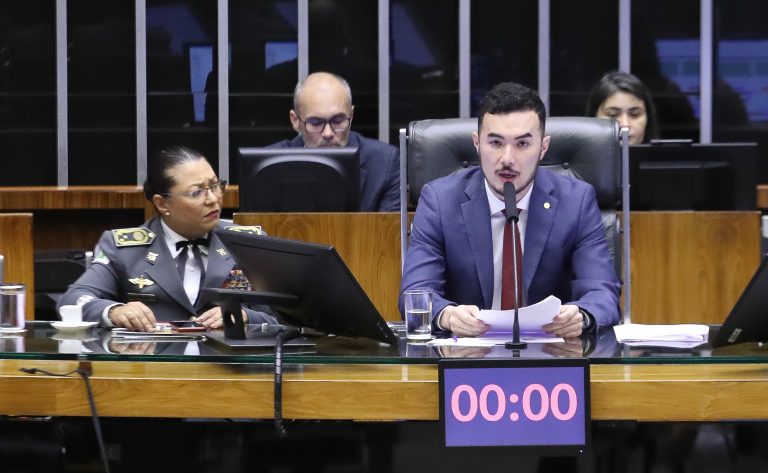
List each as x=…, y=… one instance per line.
x=217, y=188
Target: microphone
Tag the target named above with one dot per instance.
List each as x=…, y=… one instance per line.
x=510, y=201
x=510, y=211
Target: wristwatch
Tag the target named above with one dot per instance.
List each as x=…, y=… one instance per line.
x=586, y=320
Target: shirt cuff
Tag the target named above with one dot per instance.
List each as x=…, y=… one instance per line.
x=105, y=315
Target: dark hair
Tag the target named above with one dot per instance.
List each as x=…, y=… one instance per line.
x=509, y=97
x=159, y=179
x=618, y=81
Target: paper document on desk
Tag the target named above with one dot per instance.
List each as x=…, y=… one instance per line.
x=486, y=341
x=531, y=318
x=678, y=335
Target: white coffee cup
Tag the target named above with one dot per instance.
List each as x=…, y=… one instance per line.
x=71, y=314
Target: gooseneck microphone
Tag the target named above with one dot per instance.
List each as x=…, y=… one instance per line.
x=510, y=202
x=510, y=210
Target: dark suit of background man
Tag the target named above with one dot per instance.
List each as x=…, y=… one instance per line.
x=322, y=115
x=456, y=242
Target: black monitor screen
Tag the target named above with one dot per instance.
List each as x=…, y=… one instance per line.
x=329, y=297
x=299, y=180
x=685, y=176
x=748, y=320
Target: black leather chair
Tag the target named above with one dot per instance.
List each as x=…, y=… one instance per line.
x=582, y=147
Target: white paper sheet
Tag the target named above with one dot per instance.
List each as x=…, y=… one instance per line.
x=489, y=341
x=531, y=318
x=627, y=333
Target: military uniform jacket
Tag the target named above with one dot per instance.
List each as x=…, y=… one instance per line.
x=134, y=264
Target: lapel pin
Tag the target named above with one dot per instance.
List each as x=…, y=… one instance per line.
x=546, y=205
x=222, y=252
x=152, y=256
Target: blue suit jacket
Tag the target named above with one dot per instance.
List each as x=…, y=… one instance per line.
x=379, y=171
x=566, y=255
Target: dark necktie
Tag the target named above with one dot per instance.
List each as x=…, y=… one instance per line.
x=510, y=300
x=181, y=260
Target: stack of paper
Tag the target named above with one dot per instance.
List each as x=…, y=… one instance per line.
x=675, y=336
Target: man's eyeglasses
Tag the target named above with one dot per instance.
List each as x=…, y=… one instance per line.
x=338, y=123
x=217, y=188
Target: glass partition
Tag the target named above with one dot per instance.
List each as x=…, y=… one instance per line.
x=180, y=56
x=102, y=92
x=665, y=57
x=28, y=93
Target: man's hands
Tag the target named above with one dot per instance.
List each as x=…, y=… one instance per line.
x=568, y=323
x=462, y=320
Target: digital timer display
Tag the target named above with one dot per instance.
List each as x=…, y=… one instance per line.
x=516, y=402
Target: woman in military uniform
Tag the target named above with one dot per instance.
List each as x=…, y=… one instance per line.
x=154, y=273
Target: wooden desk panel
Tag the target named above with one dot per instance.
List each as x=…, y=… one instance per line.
x=691, y=266
x=369, y=243
x=686, y=266
x=16, y=246
x=74, y=217
x=690, y=392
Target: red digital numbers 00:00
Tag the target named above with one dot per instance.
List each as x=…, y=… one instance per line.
x=548, y=402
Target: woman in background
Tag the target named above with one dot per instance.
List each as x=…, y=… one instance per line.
x=144, y=275
x=622, y=96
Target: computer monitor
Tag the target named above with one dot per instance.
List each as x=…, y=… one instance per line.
x=748, y=320
x=327, y=298
x=299, y=179
x=679, y=175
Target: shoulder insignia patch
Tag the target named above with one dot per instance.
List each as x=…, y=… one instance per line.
x=249, y=229
x=133, y=236
x=100, y=257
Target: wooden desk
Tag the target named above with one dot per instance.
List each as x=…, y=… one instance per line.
x=762, y=196
x=686, y=266
x=643, y=392
x=74, y=217
x=369, y=243
x=16, y=246
x=691, y=266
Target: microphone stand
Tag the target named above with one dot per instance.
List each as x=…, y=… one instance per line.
x=515, y=344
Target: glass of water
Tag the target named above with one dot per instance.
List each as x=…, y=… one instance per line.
x=12, y=298
x=418, y=314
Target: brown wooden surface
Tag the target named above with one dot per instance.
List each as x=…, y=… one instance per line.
x=691, y=266
x=16, y=247
x=647, y=392
x=86, y=197
x=369, y=243
x=762, y=196
x=74, y=217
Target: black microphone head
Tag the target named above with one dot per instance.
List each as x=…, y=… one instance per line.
x=510, y=201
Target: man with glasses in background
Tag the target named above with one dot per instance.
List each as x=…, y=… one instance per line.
x=322, y=115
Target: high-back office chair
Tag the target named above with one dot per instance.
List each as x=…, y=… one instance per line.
x=582, y=147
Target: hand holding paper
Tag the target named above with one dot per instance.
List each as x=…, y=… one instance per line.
x=531, y=318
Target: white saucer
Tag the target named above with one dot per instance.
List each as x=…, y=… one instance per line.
x=12, y=330
x=72, y=326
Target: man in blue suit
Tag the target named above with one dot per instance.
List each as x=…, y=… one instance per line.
x=457, y=239
x=322, y=115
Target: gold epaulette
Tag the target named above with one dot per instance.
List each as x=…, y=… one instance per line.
x=138, y=236
x=249, y=229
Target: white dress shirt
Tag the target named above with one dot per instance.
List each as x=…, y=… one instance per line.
x=191, y=270
x=497, y=234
